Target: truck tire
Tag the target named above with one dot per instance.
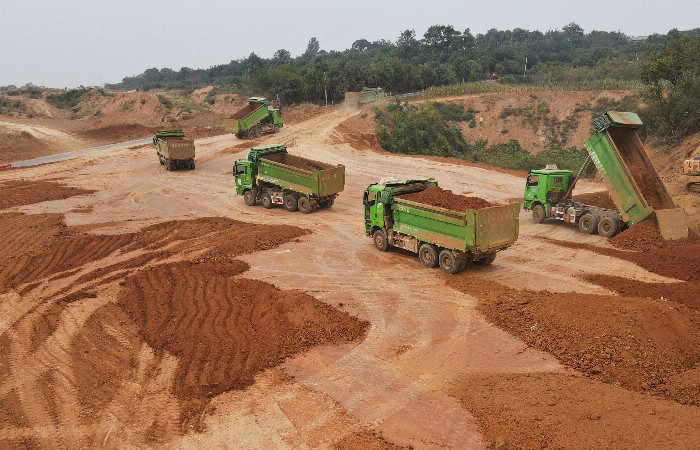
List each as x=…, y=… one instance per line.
x=538, y=214
x=191, y=165
x=249, y=198
x=305, y=205
x=327, y=203
x=380, y=240
x=161, y=159
x=588, y=223
x=448, y=262
x=266, y=201
x=256, y=132
x=290, y=202
x=428, y=255
x=608, y=227
x=275, y=128
x=486, y=260
x=239, y=135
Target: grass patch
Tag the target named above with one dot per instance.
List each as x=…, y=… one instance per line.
x=68, y=99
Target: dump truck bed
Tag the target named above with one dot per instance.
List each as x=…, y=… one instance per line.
x=244, y=118
x=176, y=148
x=301, y=174
x=475, y=230
x=635, y=186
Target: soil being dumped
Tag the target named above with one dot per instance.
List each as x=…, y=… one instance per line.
x=599, y=199
x=444, y=198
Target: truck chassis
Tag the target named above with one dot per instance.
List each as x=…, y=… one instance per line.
x=589, y=218
x=269, y=195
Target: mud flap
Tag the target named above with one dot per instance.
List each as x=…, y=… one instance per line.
x=672, y=223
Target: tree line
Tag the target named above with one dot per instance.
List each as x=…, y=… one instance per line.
x=443, y=56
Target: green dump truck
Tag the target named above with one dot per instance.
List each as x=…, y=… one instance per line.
x=441, y=237
x=272, y=176
x=635, y=186
x=174, y=151
x=253, y=120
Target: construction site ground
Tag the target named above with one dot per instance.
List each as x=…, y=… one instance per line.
x=147, y=308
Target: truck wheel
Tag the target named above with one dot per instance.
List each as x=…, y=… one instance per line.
x=239, y=135
x=304, y=205
x=327, y=203
x=275, y=128
x=428, y=255
x=249, y=198
x=380, y=240
x=191, y=165
x=538, y=214
x=607, y=227
x=290, y=202
x=448, y=262
x=161, y=159
x=486, y=260
x=588, y=223
x=266, y=201
x=256, y=131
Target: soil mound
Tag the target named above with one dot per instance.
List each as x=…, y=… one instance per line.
x=20, y=192
x=645, y=237
x=444, y=198
x=535, y=411
x=631, y=341
x=224, y=331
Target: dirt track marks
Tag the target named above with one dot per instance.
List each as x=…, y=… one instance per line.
x=225, y=331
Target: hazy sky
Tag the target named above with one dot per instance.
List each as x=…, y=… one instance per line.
x=67, y=43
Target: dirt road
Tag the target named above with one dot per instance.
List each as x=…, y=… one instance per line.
x=423, y=335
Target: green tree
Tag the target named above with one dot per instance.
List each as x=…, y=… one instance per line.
x=672, y=75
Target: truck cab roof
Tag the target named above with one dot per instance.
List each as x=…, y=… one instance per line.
x=552, y=172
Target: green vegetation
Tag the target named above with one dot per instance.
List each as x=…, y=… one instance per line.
x=68, y=99
x=424, y=129
x=165, y=101
x=429, y=129
x=8, y=106
x=672, y=75
x=445, y=61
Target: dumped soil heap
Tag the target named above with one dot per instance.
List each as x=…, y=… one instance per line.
x=444, y=198
x=631, y=341
x=145, y=343
x=20, y=192
x=224, y=331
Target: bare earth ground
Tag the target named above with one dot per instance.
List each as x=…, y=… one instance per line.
x=376, y=350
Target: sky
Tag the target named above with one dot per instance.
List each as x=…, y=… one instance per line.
x=68, y=43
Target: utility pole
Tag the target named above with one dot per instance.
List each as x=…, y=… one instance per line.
x=524, y=73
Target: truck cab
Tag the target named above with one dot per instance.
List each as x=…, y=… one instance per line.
x=243, y=173
x=378, y=198
x=546, y=187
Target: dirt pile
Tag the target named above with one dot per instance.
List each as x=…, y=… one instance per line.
x=20, y=192
x=534, y=411
x=599, y=199
x=444, y=198
x=645, y=237
x=630, y=341
x=206, y=331
x=224, y=331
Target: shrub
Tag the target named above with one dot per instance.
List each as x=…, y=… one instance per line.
x=68, y=99
x=165, y=101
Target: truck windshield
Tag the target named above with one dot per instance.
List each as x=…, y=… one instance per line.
x=239, y=169
x=533, y=180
